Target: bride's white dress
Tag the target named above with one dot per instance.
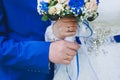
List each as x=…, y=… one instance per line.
x=101, y=61
x=105, y=60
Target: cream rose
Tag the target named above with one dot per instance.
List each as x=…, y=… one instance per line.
x=62, y=1
x=59, y=8
x=55, y=9
x=52, y=10
x=48, y=1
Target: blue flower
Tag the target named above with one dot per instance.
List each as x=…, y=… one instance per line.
x=44, y=6
x=76, y=11
x=76, y=5
x=97, y=1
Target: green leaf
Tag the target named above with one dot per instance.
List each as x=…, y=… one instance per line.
x=44, y=18
x=53, y=3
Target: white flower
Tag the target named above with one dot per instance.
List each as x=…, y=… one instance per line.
x=62, y=1
x=55, y=9
x=59, y=8
x=48, y=1
x=52, y=10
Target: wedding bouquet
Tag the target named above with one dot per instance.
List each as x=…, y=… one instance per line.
x=55, y=9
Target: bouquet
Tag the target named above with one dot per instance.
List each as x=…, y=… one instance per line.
x=56, y=9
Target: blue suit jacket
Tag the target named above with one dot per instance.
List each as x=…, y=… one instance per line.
x=23, y=52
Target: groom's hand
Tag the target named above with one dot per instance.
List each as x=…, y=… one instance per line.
x=64, y=27
x=62, y=52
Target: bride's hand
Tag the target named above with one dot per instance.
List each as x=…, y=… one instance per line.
x=65, y=27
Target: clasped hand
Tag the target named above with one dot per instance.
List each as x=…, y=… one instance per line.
x=62, y=52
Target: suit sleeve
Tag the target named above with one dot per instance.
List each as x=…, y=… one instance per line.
x=26, y=55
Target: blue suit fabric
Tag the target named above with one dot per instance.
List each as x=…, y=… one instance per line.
x=23, y=50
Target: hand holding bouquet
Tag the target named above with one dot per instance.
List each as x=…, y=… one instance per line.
x=62, y=12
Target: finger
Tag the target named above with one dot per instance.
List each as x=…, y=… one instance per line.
x=73, y=25
x=70, y=23
x=68, y=19
x=70, y=33
x=71, y=29
x=69, y=58
x=70, y=52
x=68, y=27
x=73, y=45
x=66, y=33
x=66, y=62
